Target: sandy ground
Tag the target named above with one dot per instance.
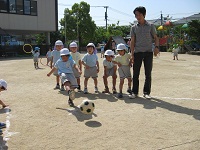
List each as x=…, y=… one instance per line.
x=39, y=117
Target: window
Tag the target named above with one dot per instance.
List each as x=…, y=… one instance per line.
x=20, y=9
x=12, y=6
x=27, y=6
x=3, y=6
x=34, y=8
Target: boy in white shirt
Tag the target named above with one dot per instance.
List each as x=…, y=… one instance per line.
x=65, y=70
x=91, y=63
x=55, y=56
x=36, y=55
x=109, y=70
x=76, y=56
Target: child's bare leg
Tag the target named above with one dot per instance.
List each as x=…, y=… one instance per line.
x=57, y=79
x=114, y=81
x=129, y=83
x=85, y=82
x=95, y=82
x=121, y=85
x=78, y=81
x=67, y=86
x=105, y=81
x=3, y=104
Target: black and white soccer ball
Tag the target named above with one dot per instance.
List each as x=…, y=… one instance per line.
x=87, y=107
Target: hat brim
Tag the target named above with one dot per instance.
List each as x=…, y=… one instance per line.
x=120, y=49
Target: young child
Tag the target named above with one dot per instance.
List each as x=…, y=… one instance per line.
x=76, y=56
x=109, y=70
x=91, y=64
x=102, y=51
x=48, y=56
x=175, y=51
x=3, y=87
x=65, y=70
x=123, y=60
x=55, y=56
x=36, y=55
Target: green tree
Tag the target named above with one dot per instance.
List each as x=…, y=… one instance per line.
x=79, y=24
x=194, y=30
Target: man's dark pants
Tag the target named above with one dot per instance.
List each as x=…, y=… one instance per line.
x=147, y=59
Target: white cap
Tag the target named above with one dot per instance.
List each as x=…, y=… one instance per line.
x=73, y=44
x=91, y=44
x=58, y=42
x=64, y=51
x=121, y=46
x=3, y=83
x=109, y=52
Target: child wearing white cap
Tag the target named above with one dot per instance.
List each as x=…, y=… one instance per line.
x=109, y=70
x=55, y=56
x=36, y=55
x=3, y=87
x=91, y=63
x=65, y=70
x=76, y=56
x=123, y=60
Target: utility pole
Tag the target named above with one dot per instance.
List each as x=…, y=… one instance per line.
x=106, y=14
x=161, y=17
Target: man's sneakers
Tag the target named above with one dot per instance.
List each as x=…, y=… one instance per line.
x=147, y=96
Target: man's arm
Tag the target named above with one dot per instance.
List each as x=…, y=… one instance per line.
x=132, y=46
x=156, y=50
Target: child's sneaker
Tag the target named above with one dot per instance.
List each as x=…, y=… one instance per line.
x=70, y=102
x=106, y=90
x=114, y=91
x=129, y=90
x=71, y=94
x=96, y=89
x=120, y=95
x=57, y=86
x=79, y=88
x=2, y=125
x=62, y=88
x=85, y=91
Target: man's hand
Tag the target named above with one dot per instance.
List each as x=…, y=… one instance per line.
x=156, y=51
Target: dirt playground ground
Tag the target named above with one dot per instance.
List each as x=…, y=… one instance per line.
x=39, y=118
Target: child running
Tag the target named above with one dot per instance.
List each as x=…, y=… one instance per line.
x=123, y=60
x=36, y=55
x=76, y=56
x=109, y=70
x=48, y=56
x=65, y=71
x=55, y=56
x=91, y=64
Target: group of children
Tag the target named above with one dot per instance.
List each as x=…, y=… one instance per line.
x=67, y=66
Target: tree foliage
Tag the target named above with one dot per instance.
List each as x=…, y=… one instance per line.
x=79, y=24
x=194, y=30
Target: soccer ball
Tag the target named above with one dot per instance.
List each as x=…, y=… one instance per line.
x=87, y=107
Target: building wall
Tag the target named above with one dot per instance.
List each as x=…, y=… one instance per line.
x=45, y=21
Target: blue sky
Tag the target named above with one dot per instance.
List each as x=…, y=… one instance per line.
x=122, y=11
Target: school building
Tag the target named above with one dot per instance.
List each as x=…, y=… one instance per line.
x=21, y=19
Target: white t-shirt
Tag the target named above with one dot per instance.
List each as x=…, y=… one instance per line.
x=56, y=55
x=108, y=64
x=49, y=54
x=36, y=54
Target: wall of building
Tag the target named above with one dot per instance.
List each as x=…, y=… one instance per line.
x=45, y=21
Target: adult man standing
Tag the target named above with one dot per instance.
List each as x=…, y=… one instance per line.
x=142, y=35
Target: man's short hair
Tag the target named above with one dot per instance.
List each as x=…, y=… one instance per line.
x=140, y=9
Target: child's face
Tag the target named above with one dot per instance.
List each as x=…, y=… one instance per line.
x=109, y=58
x=121, y=52
x=90, y=49
x=58, y=47
x=65, y=58
x=73, y=49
